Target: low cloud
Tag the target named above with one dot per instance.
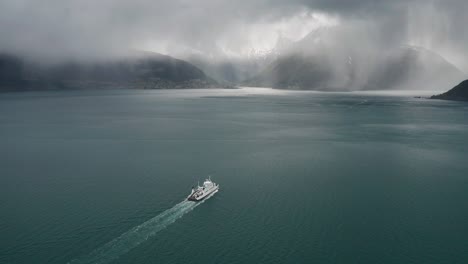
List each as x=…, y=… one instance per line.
x=57, y=29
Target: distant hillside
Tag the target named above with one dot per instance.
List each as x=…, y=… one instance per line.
x=294, y=71
x=142, y=71
x=226, y=68
x=229, y=70
x=403, y=68
x=328, y=58
x=413, y=68
x=458, y=93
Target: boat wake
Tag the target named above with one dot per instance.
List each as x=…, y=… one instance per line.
x=137, y=235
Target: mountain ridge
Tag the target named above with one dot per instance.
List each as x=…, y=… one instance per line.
x=402, y=68
x=142, y=70
x=457, y=93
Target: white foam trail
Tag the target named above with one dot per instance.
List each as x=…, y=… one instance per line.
x=137, y=235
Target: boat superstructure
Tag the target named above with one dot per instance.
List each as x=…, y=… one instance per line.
x=201, y=192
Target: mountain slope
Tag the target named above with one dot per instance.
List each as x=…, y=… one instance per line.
x=141, y=70
x=293, y=72
x=413, y=68
x=348, y=58
x=458, y=93
x=229, y=69
x=403, y=68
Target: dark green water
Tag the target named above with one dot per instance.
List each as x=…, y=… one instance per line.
x=305, y=177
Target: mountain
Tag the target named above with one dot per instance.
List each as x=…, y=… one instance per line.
x=223, y=70
x=231, y=70
x=142, y=70
x=458, y=93
x=402, y=68
x=294, y=71
x=343, y=59
x=413, y=68
x=234, y=69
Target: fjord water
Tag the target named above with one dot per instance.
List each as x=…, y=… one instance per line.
x=100, y=176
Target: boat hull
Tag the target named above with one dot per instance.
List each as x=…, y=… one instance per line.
x=201, y=197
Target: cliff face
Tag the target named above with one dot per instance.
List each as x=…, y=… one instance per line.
x=146, y=70
x=458, y=93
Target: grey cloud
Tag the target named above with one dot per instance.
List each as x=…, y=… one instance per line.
x=58, y=29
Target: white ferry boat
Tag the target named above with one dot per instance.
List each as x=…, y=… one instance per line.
x=201, y=192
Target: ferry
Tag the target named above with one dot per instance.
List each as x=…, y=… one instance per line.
x=201, y=192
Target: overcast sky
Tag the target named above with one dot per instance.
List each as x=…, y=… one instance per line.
x=89, y=28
